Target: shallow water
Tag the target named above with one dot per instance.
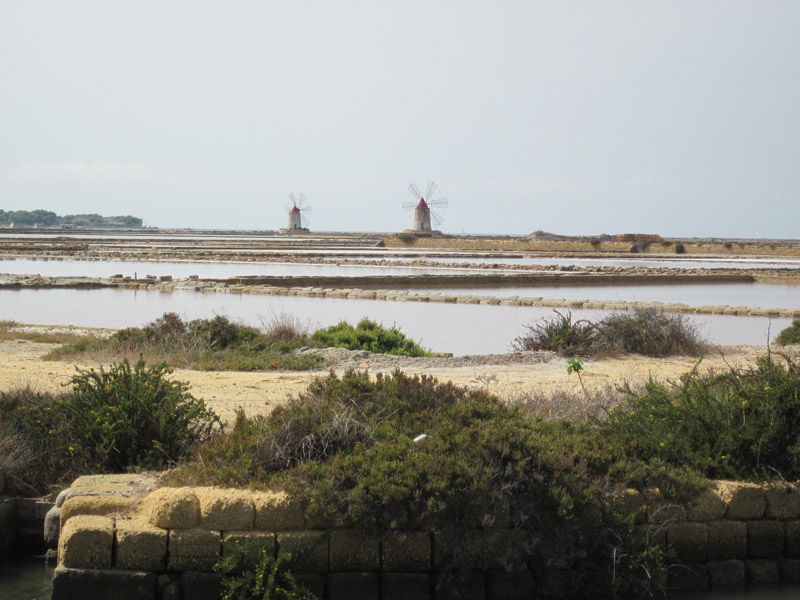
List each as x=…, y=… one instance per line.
x=25, y=579
x=457, y=328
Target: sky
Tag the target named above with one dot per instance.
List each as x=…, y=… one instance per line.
x=678, y=117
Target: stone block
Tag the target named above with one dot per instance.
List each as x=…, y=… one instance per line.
x=405, y=586
x=121, y=479
x=629, y=502
x=689, y=540
x=277, y=511
x=94, y=584
x=86, y=542
x=40, y=509
x=759, y=571
x=93, y=505
x=225, y=509
x=472, y=587
x=745, y=500
x=791, y=537
x=140, y=546
x=353, y=586
x=707, y=506
x=406, y=551
x=172, y=508
x=764, y=538
x=313, y=582
x=352, y=550
x=692, y=576
x=726, y=574
x=193, y=550
x=52, y=527
x=501, y=585
x=783, y=501
x=309, y=549
x=726, y=540
x=200, y=586
x=263, y=539
x=789, y=570
x=8, y=524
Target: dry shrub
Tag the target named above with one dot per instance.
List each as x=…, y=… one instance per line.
x=566, y=402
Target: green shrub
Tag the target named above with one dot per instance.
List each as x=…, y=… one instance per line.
x=408, y=239
x=251, y=571
x=790, y=335
x=367, y=335
x=127, y=417
x=740, y=424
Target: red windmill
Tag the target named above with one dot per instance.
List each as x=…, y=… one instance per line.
x=424, y=213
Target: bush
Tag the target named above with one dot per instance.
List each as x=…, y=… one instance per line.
x=134, y=416
x=367, y=335
x=649, y=332
x=251, y=571
x=790, y=335
x=642, y=331
x=680, y=248
x=560, y=334
x=742, y=424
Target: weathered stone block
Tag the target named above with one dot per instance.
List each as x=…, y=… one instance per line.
x=352, y=550
x=759, y=571
x=510, y=586
x=789, y=569
x=313, y=582
x=406, y=551
x=86, y=542
x=140, y=546
x=726, y=573
x=726, y=540
x=692, y=576
x=783, y=501
x=264, y=539
x=52, y=527
x=707, y=506
x=172, y=508
x=471, y=588
x=94, y=584
x=745, y=500
x=353, y=586
x=193, y=550
x=225, y=509
x=405, y=586
x=689, y=541
x=310, y=549
x=764, y=538
x=93, y=505
x=200, y=586
x=277, y=511
x=791, y=533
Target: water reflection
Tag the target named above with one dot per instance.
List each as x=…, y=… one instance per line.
x=25, y=579
x=457, y=328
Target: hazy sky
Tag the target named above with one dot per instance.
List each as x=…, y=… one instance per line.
x=672, y=117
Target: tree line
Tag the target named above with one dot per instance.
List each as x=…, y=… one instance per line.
x=46, y=218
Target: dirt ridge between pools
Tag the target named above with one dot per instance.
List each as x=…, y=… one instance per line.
x=509, y=375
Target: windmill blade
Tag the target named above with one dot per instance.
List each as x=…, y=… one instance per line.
x=431, y=190
x=409, y=205
x=291, y=197
x=305, y=222
x=436, y=218
x=415, y=191
x=306, y=209
x=301, y=199
x=439, y=203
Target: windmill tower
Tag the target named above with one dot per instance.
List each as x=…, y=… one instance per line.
x=298, y=213
x=425, y=215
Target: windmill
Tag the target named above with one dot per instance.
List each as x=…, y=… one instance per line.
x=424, y=213
x=298, y=213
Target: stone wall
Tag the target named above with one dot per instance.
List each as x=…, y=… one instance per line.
x=21, y=523
x=166, y=544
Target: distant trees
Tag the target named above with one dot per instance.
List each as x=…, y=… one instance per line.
x=46, y=218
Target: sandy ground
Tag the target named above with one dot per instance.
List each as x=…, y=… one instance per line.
x=21, y=364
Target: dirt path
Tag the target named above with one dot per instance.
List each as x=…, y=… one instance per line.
x=505, y=375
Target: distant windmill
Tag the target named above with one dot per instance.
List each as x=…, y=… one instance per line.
x=424, y=213
x=298, y=213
